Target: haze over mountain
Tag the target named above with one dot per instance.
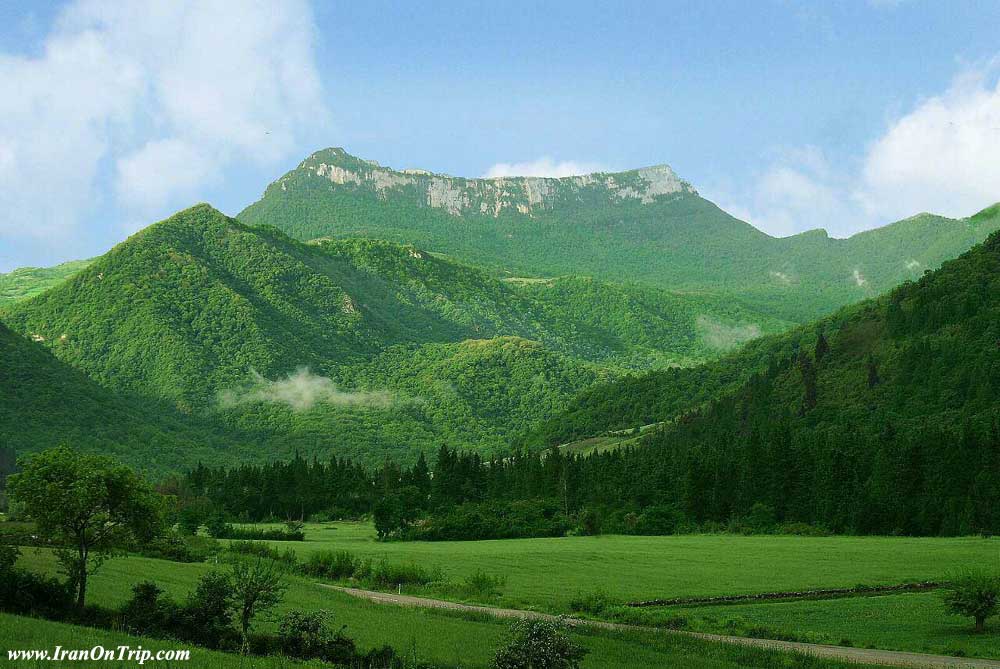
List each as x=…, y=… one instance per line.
x=646, y=225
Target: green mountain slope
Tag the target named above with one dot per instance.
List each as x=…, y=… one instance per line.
x=882, y=417
x=25, y=282
x=644, y=225
x=46, y=403
x=215, y=318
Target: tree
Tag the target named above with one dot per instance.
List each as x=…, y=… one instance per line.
x=257, y=585
x=207, y=617
x=538, y=644
x=89, y=505
x=822, y=348
x=975, y=594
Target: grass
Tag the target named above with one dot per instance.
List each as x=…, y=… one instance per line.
x=19, y=633
x=548, y=573
x=912, y=621
x=444, y=638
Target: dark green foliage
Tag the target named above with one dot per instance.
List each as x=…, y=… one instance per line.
x=88, y=505
x=207, y=617
x=147, y=613
x=538, y=644
x=227, y=531
x=975, y=594
x=311, y=635
x=676, y=240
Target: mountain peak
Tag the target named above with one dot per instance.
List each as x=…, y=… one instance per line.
x=492, y=196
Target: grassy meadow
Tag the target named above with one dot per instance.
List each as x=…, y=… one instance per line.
x=549, y=573
x=443, y=638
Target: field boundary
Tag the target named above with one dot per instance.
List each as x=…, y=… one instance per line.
x=823, y=593
x=864, y=656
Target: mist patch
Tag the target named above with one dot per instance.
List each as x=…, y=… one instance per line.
x=302, y=390
x=725, y=336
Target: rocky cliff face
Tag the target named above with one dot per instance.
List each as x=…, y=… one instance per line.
x=490, y=197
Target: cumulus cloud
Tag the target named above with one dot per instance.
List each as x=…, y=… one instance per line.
x=544, y=167
x=162, y=96
x=943, y=156
x=301, y=391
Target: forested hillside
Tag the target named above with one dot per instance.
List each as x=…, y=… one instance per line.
x=644, y=225
x=359, y=347
x=881, y=418
x=45, y=403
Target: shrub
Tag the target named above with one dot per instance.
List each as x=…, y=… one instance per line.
x=262, y=550
x=207, y=616
x=481, y=584
x=975, y=594
x=595, y=603
x=148, y=613
x=387, y=575
x=26, y=593
x=309, y=635
x=334, y=565
x=538, y=644
x=227, y=531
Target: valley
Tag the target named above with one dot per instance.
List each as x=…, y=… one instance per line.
x=513, y=418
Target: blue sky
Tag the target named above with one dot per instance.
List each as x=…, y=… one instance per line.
x=792, y=115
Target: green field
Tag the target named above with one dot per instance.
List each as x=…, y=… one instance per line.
x=549, y=573
x=444, y=638
x=911, y=621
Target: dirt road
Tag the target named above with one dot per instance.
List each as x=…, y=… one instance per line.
x=888, y=658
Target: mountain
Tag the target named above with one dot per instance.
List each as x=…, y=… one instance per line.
x=883, y=417
x=25, y=282
x=45, y=402
x=357, y=346
x=646, y=225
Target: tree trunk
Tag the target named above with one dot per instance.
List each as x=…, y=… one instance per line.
x=980, y=624
x=81, y=586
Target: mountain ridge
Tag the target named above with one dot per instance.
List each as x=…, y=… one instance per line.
x=617, y=227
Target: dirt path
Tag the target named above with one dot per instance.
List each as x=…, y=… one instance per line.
x=889, y=658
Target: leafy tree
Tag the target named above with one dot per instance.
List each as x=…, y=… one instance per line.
x=89, y=505
x=257, y=585
x=975, y=594
x=208, y=613
x=538, y=644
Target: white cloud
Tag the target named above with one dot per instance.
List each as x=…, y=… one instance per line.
x=543, y=167
x=161, y=95
x=150, y=177
x=942, y=157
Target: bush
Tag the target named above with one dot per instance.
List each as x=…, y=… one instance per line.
x=179, y=547
x=538, y=644
x=334, y=565
x=975, y=594
x=262, y=550
x=227, y=531
x=207, y=616
x=148, y=613
x=30, y=594
x=595, y=603
x=481, y=584
x=659, y=520
x=309, y=635
x=386, y=575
